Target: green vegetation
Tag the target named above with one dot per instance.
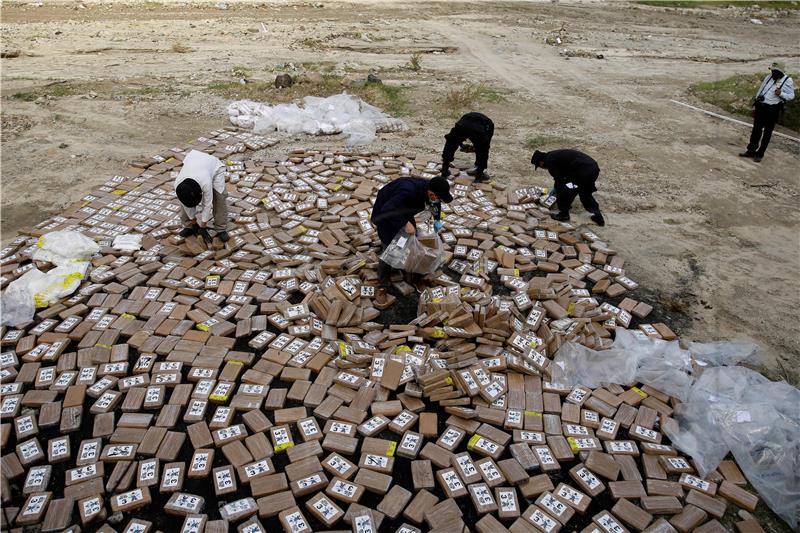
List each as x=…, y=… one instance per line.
x=735, y=95
x=538, y=142
x=457, y=101
x=770, y=4
x=396, y=99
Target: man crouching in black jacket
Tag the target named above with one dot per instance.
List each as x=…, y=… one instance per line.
x=479, y=129
x=394, y=209
x=574, y=174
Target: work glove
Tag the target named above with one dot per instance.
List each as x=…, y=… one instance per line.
x=203, y=232
x=438, y=225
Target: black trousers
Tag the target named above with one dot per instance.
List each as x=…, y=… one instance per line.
x=764, y=121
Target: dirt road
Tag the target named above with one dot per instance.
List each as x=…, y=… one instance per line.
x=713, y=237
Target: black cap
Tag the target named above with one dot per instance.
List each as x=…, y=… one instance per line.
x=441, y=188
x=189, y=192
x=537, y=158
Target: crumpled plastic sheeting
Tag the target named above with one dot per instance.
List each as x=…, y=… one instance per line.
x=738, y=410
x=575, y=364
x=632, y=358
x=340, y=113
x=661, y=364
x=64, y=247
x=722, y=353
x=39, y=289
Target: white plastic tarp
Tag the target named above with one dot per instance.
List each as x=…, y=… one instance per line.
x=342, y=113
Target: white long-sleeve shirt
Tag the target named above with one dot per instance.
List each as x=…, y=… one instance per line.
x=209, y=173
x=767, y=90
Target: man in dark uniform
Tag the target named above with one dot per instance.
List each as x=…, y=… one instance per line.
x=574, y=174
x=478, y=128
x=397, y=203
x=775, y=90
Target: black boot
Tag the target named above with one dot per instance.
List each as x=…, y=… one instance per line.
x=482, y=178
x=562, y=216
x=188, y=232
x=597, y=216
x=223, y=236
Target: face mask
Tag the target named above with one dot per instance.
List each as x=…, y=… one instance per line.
x=776, y=75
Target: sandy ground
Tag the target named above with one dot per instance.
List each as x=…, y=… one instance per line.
x=712, y=237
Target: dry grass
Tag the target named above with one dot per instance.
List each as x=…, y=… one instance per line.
x=180, y=48
x=456, y=101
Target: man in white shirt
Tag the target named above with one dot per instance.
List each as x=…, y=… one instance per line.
x=776, y=89
x=200, y=187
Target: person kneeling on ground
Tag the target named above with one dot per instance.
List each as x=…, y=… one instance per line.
x=397, y=203
x=574, y=174
x=200, y=187
x=479, y=129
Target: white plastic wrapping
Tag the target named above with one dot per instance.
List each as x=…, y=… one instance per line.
x=64, y=247
x=738, y=410
x=127, y=243
x=58, y=283
x=575, y=364
x=17, y=300
x=722, y=353
x=661, y=364
x=407, y=253
x=340, y=113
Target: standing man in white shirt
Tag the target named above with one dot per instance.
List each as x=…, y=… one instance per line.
x=200, y=187
x=776, y=89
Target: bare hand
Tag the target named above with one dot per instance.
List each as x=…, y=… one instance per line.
x=410, y=229
x=777, y=91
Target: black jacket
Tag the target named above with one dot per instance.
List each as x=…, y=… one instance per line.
x=476, y=127
x=397, y=203
x=569, y=165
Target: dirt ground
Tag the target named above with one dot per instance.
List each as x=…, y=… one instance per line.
x=712, y=237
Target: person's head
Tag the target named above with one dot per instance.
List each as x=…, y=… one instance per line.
x=439, y=189
x=778, y=70
x=189, y=192
x=538, y=159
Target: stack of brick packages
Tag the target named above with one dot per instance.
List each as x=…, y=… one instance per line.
x=254, y=386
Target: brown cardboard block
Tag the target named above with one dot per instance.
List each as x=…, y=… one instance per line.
x=394, y=501
x=631, y=514
x=709, y=504
x=541, y=520
x=738, y=496
x=420, y=504
x=688, y=519
x=749, y=526
x=661, y=504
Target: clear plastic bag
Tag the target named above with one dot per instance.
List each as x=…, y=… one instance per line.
x=661, y=364
x=64, y=247
x=420, y=254
x=58, y=283
x=17, y=301
x=127, y=243
x=738, y=410
x=722, y=353
x=575, y=364
x=340, y=113
x=359, y=132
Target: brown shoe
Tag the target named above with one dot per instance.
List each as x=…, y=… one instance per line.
x=383, y=299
